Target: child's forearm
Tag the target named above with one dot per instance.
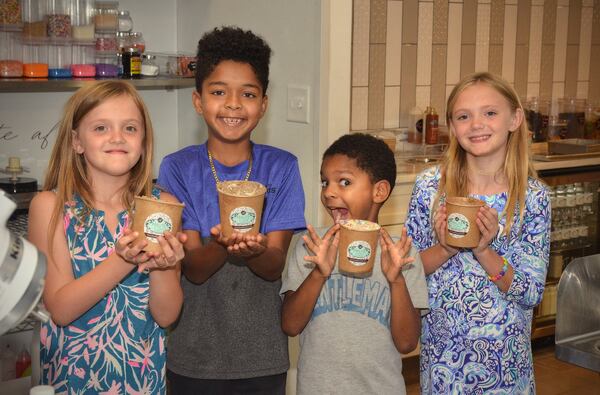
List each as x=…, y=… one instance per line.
x=73, y=299
x=202, y=261
x=268, y=265
x=405, y=323
x=433, y=258
x=299, y=305
x=166, y=296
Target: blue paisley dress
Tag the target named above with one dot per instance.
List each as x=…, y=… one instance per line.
x=477, y=339
x=115, y=347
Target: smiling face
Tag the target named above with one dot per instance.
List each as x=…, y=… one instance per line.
x=482, y=120
x=231, y=102
x=347, y=191
x=110, y=137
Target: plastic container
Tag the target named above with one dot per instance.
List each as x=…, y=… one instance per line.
x=537, y=112
x=122, y=41
x=35, y=58
x=82, y=28
x=60, y=55
x=84, y=62
x=34, y=18
x=107, y=65
x=11, y=55
x=10, y=13
x=149, y=66
x=572, y=111
x=181, y=65
x=125, y=21
x=136, y=40
x=106, y=42
x=59, y=18
x=106, y=16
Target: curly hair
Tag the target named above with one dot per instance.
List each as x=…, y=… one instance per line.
x=232, y=43
x=372, y=155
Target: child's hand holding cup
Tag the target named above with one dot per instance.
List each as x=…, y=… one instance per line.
x=153, y=217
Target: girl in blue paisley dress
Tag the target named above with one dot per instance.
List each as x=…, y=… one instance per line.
x=107, y=298
x=476, y=337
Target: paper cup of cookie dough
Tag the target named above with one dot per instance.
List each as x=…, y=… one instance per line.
x=357, y=247
x=153, y=217
x=241, y=205
x=462, y=230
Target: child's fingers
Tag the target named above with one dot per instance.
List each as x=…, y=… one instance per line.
x=314, y=237
x=309, y=243
x=336, y=240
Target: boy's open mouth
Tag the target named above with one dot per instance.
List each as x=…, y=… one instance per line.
x=339, y=214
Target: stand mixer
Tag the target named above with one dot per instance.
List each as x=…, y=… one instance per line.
x=22, y=271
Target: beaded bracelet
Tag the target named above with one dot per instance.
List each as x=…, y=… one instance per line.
x=502, y=272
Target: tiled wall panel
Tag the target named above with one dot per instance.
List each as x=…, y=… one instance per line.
x=408, y=53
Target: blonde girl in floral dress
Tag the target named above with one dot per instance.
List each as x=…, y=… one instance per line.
x=109, y=301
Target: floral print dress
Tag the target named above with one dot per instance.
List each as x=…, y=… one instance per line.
x=477, y=339
x=115, y=347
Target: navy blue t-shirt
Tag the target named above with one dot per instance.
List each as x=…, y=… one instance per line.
x=230, y=325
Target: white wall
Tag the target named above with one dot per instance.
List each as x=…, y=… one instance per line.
x=23, y=114
x=292, y=29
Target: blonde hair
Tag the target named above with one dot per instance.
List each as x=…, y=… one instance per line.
x=67, y=170
x=517, y=164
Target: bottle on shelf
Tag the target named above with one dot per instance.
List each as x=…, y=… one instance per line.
x=431, y=126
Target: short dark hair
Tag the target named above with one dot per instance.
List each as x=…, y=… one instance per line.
x=372, y=155
x=232, y=43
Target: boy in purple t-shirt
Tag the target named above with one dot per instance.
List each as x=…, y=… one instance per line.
x=229, y=338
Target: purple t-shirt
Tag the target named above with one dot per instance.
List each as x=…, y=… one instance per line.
x=188, y=176
x=230, y=325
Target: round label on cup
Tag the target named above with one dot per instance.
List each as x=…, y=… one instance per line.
x=156, y=224
x=242, y=219
x=458, y=225
x=358, y=253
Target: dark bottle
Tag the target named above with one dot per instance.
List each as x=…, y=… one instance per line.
x=431, y=127
x=132, y=63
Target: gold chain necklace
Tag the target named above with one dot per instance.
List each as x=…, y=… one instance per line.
x=214, y=171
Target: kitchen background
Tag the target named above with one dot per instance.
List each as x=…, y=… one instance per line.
x=27, y=120
x=407, y=53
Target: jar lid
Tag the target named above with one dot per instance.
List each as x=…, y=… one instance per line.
x=107, y=4
x=149, y=57
x=124, y=12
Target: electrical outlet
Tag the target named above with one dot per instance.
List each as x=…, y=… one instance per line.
x=298, y=104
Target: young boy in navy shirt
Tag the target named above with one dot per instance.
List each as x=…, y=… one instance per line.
x=229, y=338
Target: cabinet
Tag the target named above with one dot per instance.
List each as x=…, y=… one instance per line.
x=575, y=226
